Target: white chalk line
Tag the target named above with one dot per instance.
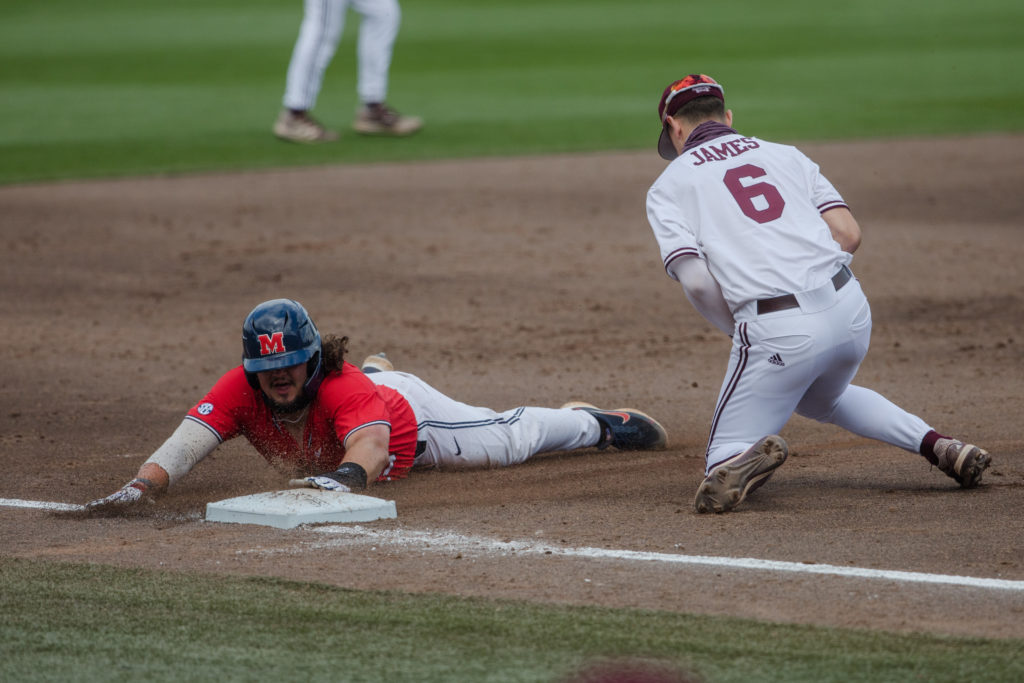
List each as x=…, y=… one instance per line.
x=452, y=542
x=38, y=504
x=449, y=542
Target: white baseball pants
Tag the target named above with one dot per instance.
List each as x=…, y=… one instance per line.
x=319, y=34
x=802, y=360
x=460, y=436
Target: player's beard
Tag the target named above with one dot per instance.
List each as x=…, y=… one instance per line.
x=289, y=409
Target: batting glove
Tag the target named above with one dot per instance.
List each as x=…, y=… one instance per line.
x=347, y=477
x=324, y=483
x=130, y=494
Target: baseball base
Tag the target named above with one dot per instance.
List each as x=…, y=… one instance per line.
x=290, y=508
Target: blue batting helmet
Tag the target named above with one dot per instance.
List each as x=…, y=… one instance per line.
x=278, y=334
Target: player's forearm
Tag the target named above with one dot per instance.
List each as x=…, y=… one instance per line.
x=711, y=305
x=373, y=460
x=704, y=292
x=190, y=443
x=368, y=448
x=844, y=228
x=155, y=477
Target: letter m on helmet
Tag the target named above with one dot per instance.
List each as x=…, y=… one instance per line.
x=271, y=343
x=278, y=334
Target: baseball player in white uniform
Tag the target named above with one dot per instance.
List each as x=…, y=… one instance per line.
x=318, y=40
x=761, y=243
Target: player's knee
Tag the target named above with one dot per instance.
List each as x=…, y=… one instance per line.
x=816, y=413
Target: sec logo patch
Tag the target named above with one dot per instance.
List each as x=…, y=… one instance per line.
x=205, y=408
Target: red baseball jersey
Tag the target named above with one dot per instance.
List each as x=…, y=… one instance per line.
x=346, y=401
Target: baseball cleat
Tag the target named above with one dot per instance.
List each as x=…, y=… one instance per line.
x=380, y=119
x=378, y=362
x=301, y=128
x=963, y=461
x=625, y=428
x=731, y=481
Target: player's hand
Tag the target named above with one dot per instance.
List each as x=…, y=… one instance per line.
x=322, y=482
x=347, y=477
x=130, y=495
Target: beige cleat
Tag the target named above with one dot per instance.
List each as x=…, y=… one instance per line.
x=731, y=481
x=378, y=362
x=301, y=128
x=380, y=119
x=963, y=461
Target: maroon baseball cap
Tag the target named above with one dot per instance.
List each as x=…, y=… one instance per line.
x=675, y=96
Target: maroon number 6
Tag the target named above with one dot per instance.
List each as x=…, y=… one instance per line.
x=745, y=194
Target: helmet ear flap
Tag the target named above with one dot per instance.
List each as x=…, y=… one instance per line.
x=314, y=375
x=254, y=381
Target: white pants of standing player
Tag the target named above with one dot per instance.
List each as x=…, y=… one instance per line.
x=802, y=360
x=459, y=435
x=318, y=39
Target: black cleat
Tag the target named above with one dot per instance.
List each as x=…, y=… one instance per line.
x=625, y=428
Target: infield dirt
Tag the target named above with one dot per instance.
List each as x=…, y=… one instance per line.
x=526, y=281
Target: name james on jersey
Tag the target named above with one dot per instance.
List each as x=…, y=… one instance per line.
x=726, y=150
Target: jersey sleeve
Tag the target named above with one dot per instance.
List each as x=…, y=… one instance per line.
x=227, y=406
x=353, y=402
x=823, y=194
x=675, y=238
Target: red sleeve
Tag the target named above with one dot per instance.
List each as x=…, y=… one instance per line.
x=352, y=402
x=229, y=405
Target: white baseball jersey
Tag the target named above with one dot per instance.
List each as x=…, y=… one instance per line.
x=752, y=210
x=746, y=205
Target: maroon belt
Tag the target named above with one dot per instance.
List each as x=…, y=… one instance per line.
x=787, y=301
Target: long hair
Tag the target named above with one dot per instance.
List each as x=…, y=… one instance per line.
x=334, y=350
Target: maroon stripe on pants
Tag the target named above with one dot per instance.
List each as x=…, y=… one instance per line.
x=737, y=373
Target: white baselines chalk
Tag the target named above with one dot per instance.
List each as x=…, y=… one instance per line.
x=38, y=504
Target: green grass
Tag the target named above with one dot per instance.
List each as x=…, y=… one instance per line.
x=86, y=622
x=119, y=88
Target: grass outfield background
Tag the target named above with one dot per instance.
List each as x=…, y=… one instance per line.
x=114, y=87
x=84, y=623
